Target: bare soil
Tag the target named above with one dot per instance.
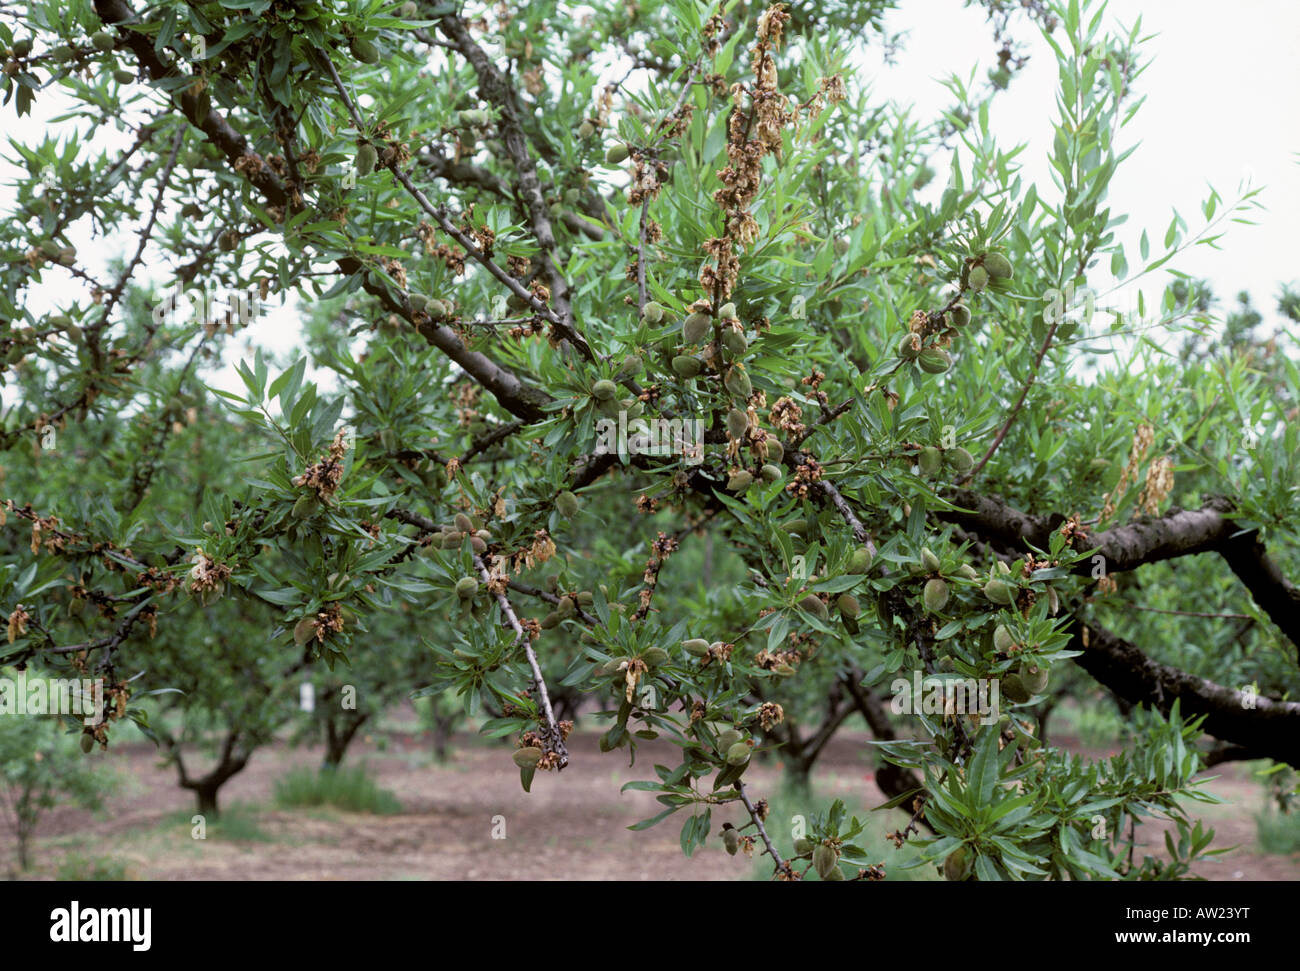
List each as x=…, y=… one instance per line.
x=571, y=827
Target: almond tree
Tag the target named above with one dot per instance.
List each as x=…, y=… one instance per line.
x=933, y=445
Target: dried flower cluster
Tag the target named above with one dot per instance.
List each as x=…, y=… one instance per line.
x=325, y=475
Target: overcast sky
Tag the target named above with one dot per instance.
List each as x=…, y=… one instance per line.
x=1223, y=107
x=1221, y=111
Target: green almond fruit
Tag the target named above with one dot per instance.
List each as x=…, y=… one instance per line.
x=929, y=560
x=451, y=540
x=936, y=595
x=409, y=10
x=616, y=153
x=934, y=360
x=848, y=605
x=22, y=47
x=1000, y=592
x=835, y=874
x=735, y=342
x=696, y=647
x=61, y=54
x=685, y=366
x=437, y=309
x=770, y=473
x=566, y=607
x=631, y=365
x=59, y=321
x=466, y=588
x=960, y=460
x=696, y=327
x=824, y=859
x=1015, y=689
x=305, y=506
x=418, y=301
x=967, y=571
x=797, y=527
x=551, y=620
x=227, y=241
x=813, y=605
x=1034, y=677
x=304, y=630
x=802, y=846
x=997, y=266
x=956, y=867
x=979, y=278
x=610, y=407
x=909, y=348
x=102, y=40
x=527, y=758
x=586, y=598
x=122, y=76
x=773, y=450
x=1002, y=639
x=731, y=840
x=604, y=390
x=87, y=742
x=728, y=738
x=738, y=754
x=586, y=130
x=50, y=248
x=728, y=312
x=739, y=481
x=1002, y=568
x=463, y=523
x=478, y=544
x=364, y=51
x=860, y=561
x=654, y=657
x=959, y=316
x=653, y=312
x=930, y=460
x=737, y=382
x=737, y=423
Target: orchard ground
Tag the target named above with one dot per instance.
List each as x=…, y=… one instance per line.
x=571, y=827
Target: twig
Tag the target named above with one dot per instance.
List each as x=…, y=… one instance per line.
x=781, y=865
x=554, y=740
x=1024, y=392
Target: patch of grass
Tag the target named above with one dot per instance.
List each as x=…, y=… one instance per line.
x=75, y=866
x=351, y=789
x=1277, y=832
x=238, y=824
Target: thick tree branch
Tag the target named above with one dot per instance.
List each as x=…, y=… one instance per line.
x=1182, y=532
x=1265, y=726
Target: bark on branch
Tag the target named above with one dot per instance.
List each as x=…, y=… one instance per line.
x=1265, y=726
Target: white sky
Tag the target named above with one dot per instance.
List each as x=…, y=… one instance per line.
x=1220, y=109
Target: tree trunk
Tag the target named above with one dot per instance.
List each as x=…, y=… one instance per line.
x=207, y=796
x=338, y=739
x=442, y=732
